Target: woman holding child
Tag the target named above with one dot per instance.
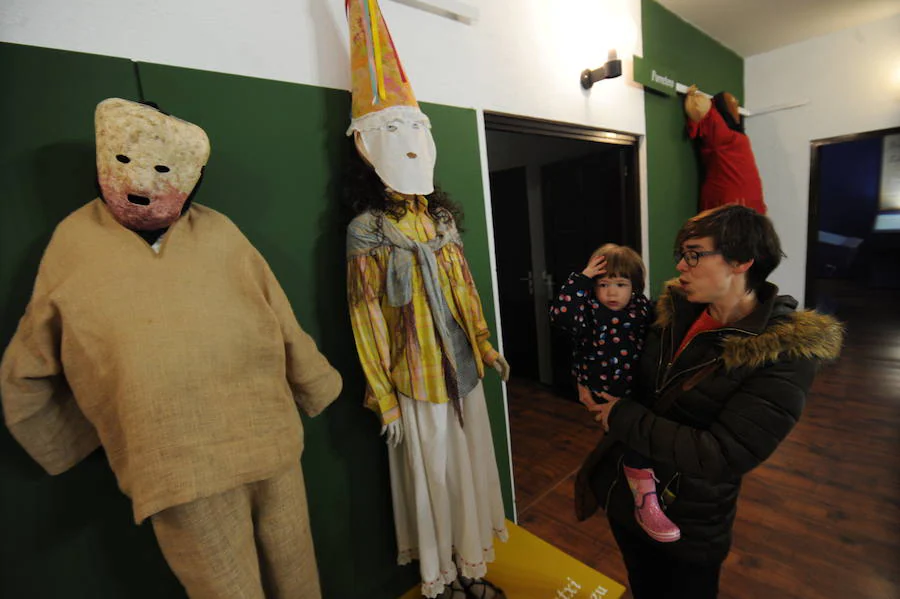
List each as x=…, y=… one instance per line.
x=722, y=379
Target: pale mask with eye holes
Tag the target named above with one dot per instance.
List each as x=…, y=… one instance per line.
x=148, y=163
x=397, y=142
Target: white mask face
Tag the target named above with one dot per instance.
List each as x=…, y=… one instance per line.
x=402, y=151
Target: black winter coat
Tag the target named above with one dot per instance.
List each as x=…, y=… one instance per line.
x=738, y=391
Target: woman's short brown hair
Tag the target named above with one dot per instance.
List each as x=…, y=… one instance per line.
x=741, y=234
x=622, y=261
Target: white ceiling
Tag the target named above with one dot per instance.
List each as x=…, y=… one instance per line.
x=755, y=26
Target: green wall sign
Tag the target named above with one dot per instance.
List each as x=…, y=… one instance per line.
x=654, y=76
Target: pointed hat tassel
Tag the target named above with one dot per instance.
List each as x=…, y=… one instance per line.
x=370, y=48
x=376, y=42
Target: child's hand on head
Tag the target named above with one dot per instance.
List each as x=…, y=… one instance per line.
x=596, y=267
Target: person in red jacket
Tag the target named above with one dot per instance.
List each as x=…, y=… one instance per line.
x=731, y=176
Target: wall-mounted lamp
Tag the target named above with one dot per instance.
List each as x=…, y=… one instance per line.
x=612, y=68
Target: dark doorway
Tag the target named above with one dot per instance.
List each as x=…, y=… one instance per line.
x=854, y=216
x=557, y=193
x=515, y=276
x=586, y=205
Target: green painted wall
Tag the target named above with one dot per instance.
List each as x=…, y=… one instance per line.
x=70, y=535
x=277, y=156
x=673, y=173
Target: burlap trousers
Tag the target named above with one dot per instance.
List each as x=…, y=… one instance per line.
x=251, y=542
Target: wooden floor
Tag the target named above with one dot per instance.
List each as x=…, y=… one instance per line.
x=819, y=520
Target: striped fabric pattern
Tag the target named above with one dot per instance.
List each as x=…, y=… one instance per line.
x=398, y=347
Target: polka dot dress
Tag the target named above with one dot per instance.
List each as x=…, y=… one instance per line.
x=607, y=343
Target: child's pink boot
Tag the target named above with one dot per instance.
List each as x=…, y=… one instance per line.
x=647, y=511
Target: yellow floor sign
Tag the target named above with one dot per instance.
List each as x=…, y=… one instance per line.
x=530, y=568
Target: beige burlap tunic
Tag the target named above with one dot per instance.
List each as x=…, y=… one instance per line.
x=185, y=365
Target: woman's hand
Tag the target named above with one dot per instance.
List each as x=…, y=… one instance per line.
x=596, y=267
x=601, y=410
x=586, y=397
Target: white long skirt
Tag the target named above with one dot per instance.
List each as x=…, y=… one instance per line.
x=446, y=491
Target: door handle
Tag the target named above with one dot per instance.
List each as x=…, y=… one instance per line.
x=549, y=283
x=530, y=279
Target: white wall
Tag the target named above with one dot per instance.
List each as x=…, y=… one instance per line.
x=522, y=56
x=852, y=81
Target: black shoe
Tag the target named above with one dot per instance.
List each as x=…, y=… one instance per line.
x=481, y=588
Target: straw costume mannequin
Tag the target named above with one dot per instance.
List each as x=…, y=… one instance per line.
x=419, y=327
x=158, y=331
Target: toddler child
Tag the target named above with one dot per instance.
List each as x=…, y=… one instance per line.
x=605, y=311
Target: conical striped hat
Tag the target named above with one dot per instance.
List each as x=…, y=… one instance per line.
x=378, y=79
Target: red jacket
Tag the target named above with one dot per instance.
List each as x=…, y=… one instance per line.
x=731, y=173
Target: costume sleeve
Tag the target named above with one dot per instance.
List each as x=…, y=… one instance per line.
x=746, y=432
x=711, y=129
x=482, y=333
x=567, y=310
x=365, y=290
x=696, y=106
x=313, y=380
x=38, y=405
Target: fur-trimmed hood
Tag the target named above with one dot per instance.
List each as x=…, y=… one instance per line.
x=775, y=329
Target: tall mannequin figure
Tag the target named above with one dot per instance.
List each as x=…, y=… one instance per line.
x=731, y=175
x=159, y=332
x=419, y=327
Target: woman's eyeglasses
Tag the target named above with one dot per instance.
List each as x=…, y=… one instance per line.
x=692, y=257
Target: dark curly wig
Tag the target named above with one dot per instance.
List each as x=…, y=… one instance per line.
x=364, y=190
x=722, y=106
